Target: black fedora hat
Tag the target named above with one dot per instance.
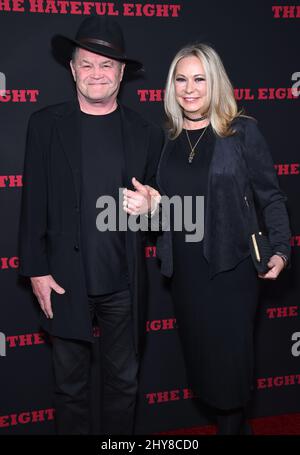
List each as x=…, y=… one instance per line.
x=98, y=34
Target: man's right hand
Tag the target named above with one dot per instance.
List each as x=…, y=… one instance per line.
x=42, y=287
x=143, y=200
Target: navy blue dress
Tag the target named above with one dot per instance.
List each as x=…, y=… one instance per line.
x=215, y=316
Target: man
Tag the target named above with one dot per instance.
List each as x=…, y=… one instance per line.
x=76, y=152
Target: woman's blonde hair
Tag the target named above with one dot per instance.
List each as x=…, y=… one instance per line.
x=221, y=106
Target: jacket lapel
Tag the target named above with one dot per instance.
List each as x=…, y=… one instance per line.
x=68, y=126
x=135, y=147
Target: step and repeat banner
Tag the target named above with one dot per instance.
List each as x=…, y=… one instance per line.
x=258, y=42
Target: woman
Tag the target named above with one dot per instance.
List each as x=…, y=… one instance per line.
x=214, y=151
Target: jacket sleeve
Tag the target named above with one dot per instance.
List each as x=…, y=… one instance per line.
x=156, y=143
x=268, y=195
x=157, y=222
x=33, y=220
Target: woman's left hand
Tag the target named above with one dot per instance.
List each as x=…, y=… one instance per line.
x=276, y=265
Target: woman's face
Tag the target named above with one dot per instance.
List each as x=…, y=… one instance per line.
x=191, y=86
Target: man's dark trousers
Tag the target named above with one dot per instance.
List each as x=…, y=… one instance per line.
x=119, y=366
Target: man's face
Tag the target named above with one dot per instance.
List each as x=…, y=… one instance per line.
x=97, y=77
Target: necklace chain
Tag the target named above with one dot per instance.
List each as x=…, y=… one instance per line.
x=193, y=148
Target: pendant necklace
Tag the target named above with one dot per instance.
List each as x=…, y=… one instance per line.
x=193, y=148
